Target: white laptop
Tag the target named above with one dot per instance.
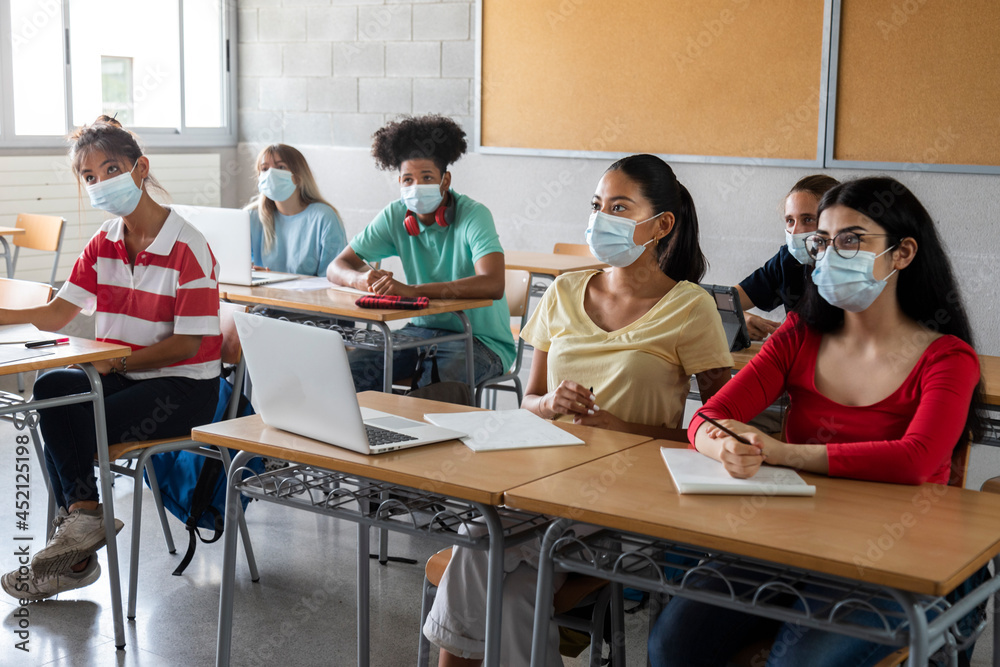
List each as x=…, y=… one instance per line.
x=302, y=383
x=227, y=231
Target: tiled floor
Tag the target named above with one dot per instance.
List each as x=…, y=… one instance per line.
x=302, y=611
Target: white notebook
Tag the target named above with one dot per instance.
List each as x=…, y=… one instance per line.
x=496, y=430
x=13, y=334
x=693, y=472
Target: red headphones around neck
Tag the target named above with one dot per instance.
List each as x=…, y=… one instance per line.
x=413, y=225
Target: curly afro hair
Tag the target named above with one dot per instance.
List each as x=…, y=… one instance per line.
x=432, y=137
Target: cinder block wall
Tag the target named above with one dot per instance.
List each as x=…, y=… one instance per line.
x=324, y=74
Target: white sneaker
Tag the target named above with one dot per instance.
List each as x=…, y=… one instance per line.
x=76, y=534
x=27, y=585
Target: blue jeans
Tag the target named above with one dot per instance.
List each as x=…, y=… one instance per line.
x=367, y=366
x=690, y=633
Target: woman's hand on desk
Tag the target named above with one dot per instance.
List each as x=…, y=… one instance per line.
x=760, y=328
x=603, y=419
x=740, y=460
x=569, y=398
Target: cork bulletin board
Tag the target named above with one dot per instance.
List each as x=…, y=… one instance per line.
x=918, y=82
x=716, y=78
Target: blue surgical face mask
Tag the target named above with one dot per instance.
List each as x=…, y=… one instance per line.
x=849, y=284
x=117, y=196
x=796, y=244
x=421, y=199
x=610, y=239
x=276, y=184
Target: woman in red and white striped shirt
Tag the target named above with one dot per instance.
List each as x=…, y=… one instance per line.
x=151, y=280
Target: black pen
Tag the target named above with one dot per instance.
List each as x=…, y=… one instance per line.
x=725, y=430
x=45, y=343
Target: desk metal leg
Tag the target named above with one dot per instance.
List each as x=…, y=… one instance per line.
x=387, y=370
x=470, y=366
x=107, y=500
x=919, y=636
x=387, y=353
x=494, y=584
x=364, y=573
x=224, y=638
x=544, y=595
x=6, y=257
x=996, y=616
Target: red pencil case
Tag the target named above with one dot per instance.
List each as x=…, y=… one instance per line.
x=389, y=301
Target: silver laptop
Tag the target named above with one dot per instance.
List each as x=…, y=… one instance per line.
x=302, y=383
x=227, y=231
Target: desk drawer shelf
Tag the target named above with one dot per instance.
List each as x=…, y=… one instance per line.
x=765, y=589
x=386, y=505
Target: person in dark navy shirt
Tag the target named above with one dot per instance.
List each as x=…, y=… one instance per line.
x=781, y=281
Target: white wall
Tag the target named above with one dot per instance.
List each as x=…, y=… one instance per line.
x=323, y=75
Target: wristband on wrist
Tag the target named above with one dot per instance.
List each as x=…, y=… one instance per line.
x=124, y=365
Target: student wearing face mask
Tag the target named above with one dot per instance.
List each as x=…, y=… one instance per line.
x=449, y=249
x=781, y=281
x=614, y=349
x=879, y=363
x=151, y=279
x=292, y=228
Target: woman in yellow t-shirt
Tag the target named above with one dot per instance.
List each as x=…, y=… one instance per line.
x=613, y=349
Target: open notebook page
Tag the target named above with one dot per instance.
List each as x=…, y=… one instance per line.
x=495, y=430
x=694, y=473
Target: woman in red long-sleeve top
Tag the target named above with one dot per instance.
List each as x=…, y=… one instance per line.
x=883, y=383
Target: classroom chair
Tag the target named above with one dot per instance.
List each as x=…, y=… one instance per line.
x=41, y=232
x=578, y=249
x=578, y=591
x=26, y=294
x=140, y=451
x=518, y=291
x=753, y=654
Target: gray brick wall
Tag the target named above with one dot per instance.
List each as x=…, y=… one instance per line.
x=330, y=72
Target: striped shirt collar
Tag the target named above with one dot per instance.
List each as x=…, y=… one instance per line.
x=164, y=241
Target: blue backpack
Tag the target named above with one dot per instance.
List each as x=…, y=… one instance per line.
x=193, y=487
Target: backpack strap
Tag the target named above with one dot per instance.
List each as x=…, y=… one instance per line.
x=423, y=355
x=201, y=502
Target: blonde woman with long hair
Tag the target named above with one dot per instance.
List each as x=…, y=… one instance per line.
x=293, y=229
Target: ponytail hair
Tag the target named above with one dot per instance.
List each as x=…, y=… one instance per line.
x=679, y=252
x=109, y=137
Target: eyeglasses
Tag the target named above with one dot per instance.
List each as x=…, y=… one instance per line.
x=846, y=244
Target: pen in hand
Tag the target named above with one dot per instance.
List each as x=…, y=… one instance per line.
x=725, y=430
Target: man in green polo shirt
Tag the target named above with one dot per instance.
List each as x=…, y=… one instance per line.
x=449, y=249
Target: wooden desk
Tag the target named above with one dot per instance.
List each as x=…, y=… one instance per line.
x=925, y=540
x=991, y=379
x=83, y=352
x=549, y=264
x=445, y=474
x=743, y=357
x=338, y=303
x=8, y=231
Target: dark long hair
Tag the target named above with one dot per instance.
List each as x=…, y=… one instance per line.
x=108, y=136
x=926, y=289
x=678, y=253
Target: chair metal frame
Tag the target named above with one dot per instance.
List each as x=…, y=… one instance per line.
x=141, y=451
x=518, y=283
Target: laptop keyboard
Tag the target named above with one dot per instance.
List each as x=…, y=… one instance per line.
x=380, y=436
